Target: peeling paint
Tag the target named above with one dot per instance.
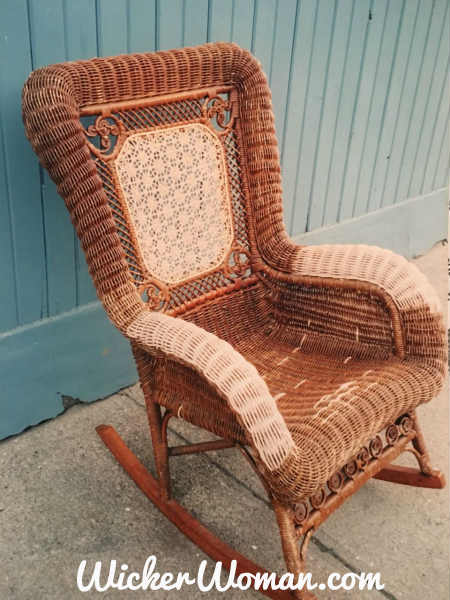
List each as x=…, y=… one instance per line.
x=69, y=401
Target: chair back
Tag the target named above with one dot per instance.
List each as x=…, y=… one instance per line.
x=169, y=166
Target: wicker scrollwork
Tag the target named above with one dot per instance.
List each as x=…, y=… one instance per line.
x=219, y=110
x=336, y=481
x=376, y=447
x=238, y=262
x=405, y=424
x=301, y=512
x=392, y=434
x=318, y=499
x=107, y=129
x=363, y=457
x=351, y=469
x=156, y=295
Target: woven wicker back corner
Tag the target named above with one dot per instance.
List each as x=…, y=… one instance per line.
x=169, y=166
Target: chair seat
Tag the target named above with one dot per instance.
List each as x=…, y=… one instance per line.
x=310, y=386
x=337, y=404
x=333, y=403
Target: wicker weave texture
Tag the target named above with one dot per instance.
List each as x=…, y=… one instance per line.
x=304, y=353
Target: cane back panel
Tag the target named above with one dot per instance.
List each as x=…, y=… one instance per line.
x=171, y=170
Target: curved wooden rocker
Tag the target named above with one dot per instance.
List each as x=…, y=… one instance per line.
x=180, y=517
x=409, y=476
x=309, y=359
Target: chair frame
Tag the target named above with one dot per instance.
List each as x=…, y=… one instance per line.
x=122, y=302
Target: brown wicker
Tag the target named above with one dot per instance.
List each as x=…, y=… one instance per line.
x=299, y=355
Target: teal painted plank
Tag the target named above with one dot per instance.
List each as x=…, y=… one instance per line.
x=393, y=104
x=332, y=102
x=409, y=228
x=358, y=140
x=80, y=29
x=312, y=118
x=442, y=171
x=263, y=33
x=242, y=26
x=351, y=82
x=79, y=355
x=437, y=143
x=112, y=27
x=410, y=90
x=141, y=25
x=49, y=46
x=22, y=169
x=195, y=22
x=220, y=19
x=47, y=32
x=420, y=112
x=81, y=43
x=297, y=97
x=8, y=295
x=437, y=91
x=383, y=77
x=281, y=62
x=169, y=24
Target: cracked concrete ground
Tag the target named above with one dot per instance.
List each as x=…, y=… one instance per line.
x=64, y=499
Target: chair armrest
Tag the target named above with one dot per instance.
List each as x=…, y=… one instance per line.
x=410, y=300
x=235, y=379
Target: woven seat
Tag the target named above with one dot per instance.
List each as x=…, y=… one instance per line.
x=335, y=389
x=310, y=360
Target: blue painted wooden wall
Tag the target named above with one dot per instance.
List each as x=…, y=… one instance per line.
x=360, y=94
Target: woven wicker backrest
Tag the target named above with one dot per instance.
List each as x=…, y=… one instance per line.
x=169, y=166
x=171, y=170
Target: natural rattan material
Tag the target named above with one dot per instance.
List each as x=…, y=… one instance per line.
x=304, y=353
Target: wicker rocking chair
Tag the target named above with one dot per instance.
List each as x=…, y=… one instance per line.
x=310, y=360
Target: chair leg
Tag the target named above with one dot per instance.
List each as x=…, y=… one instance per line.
x=425, y=476
x=423, y=458
x=157, y=423
x=294, y=555
x=158, y=430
